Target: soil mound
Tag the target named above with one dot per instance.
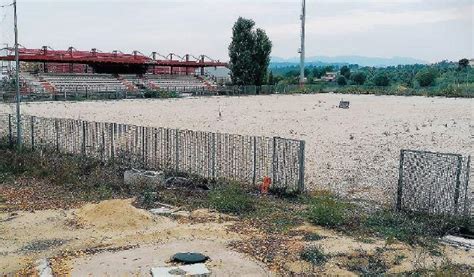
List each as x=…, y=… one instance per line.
x=116, y=214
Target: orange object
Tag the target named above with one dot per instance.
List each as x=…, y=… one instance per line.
x=267, y=181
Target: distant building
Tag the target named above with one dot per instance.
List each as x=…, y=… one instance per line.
x=329, y=77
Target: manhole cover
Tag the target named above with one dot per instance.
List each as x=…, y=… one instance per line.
x=189, y=258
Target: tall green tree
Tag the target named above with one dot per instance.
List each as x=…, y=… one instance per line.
x=271, y=79
x=249, y=53
x=358, y=78
x=463, y=63
x=382, y=80
x=426, y=77
x=346, y=72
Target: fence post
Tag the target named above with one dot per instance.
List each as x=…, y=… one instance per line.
x=466, y=196
x=177, y=149
x=84, y=138
x=112, y=140
x=301, y=161
x=400, y=181
x=56, y=127
x=214, y=155
x=33, y=133
x=274, y=161
x=143, y=146
x=254, y=169
x=10, y=130
x=458, y=184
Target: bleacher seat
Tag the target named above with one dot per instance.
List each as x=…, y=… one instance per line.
x=83, y=82
x=176, y=82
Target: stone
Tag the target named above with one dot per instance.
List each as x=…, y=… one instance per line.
x=458, y=241
x=44, y=269
x=134, y=177
x=185, y=270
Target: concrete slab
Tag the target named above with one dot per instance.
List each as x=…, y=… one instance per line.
x=194, y=270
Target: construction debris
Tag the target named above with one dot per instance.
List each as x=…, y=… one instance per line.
x=135, y=177
x=44, y=268
x=458, y=242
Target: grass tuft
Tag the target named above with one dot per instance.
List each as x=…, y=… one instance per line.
x=231, y=198
x=314, y=255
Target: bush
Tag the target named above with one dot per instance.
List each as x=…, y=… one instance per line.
x=160, y=94
x=230, y=198
x=327, y=211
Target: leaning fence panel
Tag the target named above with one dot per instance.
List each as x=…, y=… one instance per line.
x=434, y=183
x=211, y=155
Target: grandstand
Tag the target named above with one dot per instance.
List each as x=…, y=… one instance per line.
x=57, y=71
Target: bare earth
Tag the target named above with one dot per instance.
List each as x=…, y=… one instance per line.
x=113, y=238
x=353, y=152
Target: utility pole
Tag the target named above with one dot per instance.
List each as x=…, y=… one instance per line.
x=17, y=81
x=302, y=50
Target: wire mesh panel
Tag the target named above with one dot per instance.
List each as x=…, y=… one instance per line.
x=433, y=183
x=212, y=155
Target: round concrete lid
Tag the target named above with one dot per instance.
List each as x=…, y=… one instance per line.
x=189, y=258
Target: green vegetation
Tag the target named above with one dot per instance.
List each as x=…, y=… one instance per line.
x=368, y=265
x=327, y=211
x=249, y=53
x=450, y=79
x=232, y=199
x=160, y=94
x=88, y=179
x=313, y=255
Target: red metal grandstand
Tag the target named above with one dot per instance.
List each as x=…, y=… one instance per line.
x=96, y=58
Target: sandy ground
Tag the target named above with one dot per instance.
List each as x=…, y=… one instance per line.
x=353, y=152
x=28, y=236
x=113, y=238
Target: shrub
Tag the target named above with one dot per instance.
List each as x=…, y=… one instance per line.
x=160, y=94
x=327, y=211
x=230, y=198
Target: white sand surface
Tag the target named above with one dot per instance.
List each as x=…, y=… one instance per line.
x=353, y=152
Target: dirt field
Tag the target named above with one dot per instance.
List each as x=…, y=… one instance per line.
x=353, y=152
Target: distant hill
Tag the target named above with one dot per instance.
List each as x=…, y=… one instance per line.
x=342, y=60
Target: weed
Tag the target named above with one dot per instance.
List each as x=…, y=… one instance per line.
x=231, y=199
x=410, y=228
x=399, y=259
x=368, y=265
x=327, y=211
x=313, y=255
x=312, y=237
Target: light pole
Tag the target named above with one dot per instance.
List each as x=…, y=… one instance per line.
x=302, y=49
x=17, y=80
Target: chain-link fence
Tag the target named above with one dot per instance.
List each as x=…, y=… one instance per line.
x=211, y=155
x=434, y=183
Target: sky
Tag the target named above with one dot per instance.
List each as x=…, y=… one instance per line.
x=431, y=30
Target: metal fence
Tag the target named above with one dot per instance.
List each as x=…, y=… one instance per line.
x=434, y=183
x=211, y=155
